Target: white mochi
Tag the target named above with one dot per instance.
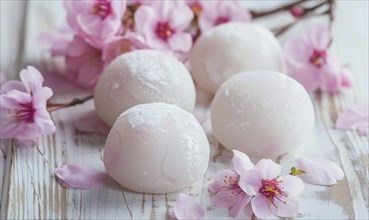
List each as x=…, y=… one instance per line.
x=156, y=148
x=231, y=48
x=262, y=113
x=142, y=76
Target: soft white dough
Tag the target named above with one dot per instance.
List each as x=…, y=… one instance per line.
x=262, y=113
x=156, y=148
x=231, y=48
x=142, y=76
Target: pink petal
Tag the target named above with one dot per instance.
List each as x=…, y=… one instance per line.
x=354, y=118
x=347, y=79
x=219, y=184
x=145, y=20
x=241, y=162
x=307, y=75
x=12, y=85
x=224, y=199
x=330, y=79
x=267, y=169
x=80, y=177
x=285, y=210
x=90, y=122
x=243, y=200
x=187, y=208
x=31, y=78
x=297, y=51
x=319, y=35
x=181, y=42
x=250, y=182
x=292, y=185
x=319, y=171
x=181, y=17
x=261, y=207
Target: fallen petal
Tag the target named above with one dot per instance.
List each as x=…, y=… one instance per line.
x=80, y=177
x=187, y=208
x=319, y=171
x=354, y=118
x=91, y=122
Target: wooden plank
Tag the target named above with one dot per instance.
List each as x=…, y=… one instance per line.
x=35, y=193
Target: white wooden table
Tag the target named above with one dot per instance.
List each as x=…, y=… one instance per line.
x=28, y=189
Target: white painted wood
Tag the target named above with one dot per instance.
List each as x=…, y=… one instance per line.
x=35, y=193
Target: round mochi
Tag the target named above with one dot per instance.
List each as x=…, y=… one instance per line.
x=156, y=148
x=262, y=113
x=142, y=76
x=231, y=48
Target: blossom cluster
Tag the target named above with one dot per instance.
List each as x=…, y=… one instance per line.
x=100, y=30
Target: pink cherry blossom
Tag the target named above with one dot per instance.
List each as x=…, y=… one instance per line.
x=91, y=122
x=24, y=116
x=355, y=118
x=272, y=194
x=218, y=12
x=310, y=62
x=118, y=45
x=187, y=208
x=80, y=177
x=226, y=189
x=57, y=40
x=319, y=171
x=84, y=63
x=163, y=24
x=95, y=20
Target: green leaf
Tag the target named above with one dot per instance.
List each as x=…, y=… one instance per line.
x=295, y=172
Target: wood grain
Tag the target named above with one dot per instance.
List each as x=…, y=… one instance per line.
x=30, y=191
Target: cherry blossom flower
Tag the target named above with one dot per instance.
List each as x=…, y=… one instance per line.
x=24, y=116
x=272, y=194
x=80, y=177
x=95, y=20
x=310, y=62
x=84, y=63
x=187, y=208
x=213, y=13
x=319, y=171
x=118, y=45
x=226, y=189
x=355, y=118
x=57, y=41
x=163, y=23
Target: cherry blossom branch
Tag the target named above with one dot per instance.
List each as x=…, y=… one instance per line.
x=259, y=14
x=76, y=101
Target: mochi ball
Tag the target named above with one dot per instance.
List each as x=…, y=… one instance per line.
x=156, y=148
x=262, y=113
x=142, y=76
x=231, y=48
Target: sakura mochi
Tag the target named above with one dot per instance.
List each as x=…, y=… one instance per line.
x=232, y=48
x=142, y=76
x=262, y=113
x=156, y=148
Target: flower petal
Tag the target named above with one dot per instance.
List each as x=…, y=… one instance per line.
x=241, y=162
x=31, y=78
x=187, y=208
x=181, y=42
x=319, y=171
x=219, y=183
x=330, y=79
x=356, y=117
x=307, y=75
x=90, y=122
x=261, y=207
x=181, y=17
x=223, y=199
x=80, y=177
x=287, y=208
x=243, y=200
x=250, y=182
x=292, y=185
x=267, y=169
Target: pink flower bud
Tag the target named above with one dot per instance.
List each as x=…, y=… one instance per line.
x=297, y=11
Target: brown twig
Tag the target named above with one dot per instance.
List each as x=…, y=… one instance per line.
x=57, y=106
x=259, y=14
